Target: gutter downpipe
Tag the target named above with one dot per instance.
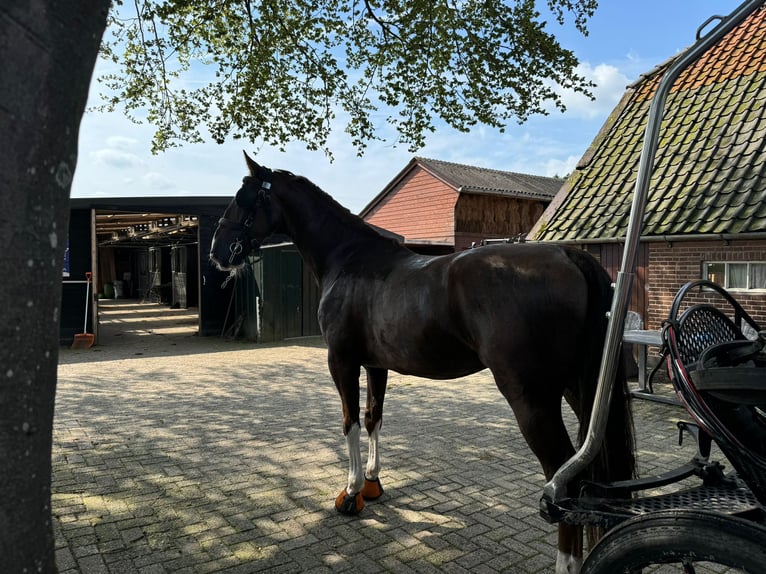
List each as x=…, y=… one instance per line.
x=556, y=489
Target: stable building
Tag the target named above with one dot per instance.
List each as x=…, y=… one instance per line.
x=152, y=249
x=705, y=215
x=443, y=207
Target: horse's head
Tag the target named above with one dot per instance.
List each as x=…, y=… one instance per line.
x=249, y=219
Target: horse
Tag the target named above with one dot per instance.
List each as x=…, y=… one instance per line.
x=534, y=314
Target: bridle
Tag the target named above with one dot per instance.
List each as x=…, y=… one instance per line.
x=242, y=228
x=262, y=200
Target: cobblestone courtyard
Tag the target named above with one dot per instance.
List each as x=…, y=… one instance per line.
x=174, y=453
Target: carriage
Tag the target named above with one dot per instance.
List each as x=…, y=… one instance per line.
x=703, y=512
x=703, y=515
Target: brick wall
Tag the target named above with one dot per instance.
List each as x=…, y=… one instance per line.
x=673, y=265
x=421, y=208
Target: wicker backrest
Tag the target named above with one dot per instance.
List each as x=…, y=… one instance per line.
x=701, y=326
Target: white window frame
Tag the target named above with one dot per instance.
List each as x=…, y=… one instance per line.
x=748, y=289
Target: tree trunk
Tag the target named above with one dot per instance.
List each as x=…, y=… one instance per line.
x=48, y=49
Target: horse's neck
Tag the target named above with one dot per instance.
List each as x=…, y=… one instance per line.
x=326, y=234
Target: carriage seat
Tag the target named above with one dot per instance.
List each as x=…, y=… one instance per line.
x=723, y=361
x=727, y=368
x=734, y=371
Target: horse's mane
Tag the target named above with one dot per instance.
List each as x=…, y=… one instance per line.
x=350, y=219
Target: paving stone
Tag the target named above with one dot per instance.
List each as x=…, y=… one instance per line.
x=93, y=564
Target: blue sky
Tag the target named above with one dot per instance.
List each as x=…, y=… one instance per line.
x=627, y=38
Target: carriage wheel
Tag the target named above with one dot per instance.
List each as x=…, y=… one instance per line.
x=690, y=540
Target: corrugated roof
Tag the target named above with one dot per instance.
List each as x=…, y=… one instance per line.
x=710, y=167
x=472, y=179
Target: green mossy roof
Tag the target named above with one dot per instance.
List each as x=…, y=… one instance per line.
x=710, y=167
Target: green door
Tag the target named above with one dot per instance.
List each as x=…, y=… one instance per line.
x=292, y=293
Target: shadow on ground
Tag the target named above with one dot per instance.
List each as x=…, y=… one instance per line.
x=202, y=455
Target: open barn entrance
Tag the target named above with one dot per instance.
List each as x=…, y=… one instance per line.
x=143, y=249
x=147, y=271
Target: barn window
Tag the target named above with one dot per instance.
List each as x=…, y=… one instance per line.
x=737, y=276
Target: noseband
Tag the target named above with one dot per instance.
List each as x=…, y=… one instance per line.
x=242, y=228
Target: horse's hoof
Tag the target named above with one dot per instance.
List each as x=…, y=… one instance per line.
x=372, y=489
x=349, y=504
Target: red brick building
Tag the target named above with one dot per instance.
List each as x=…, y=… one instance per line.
x=706, y=211
x=440, y=207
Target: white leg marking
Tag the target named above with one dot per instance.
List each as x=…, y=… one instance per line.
x=355, y=473
x=373, y=455
x=567, y=564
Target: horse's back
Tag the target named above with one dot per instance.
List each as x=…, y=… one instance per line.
x=521, y=300
x=447, y=316
x=531, y=280
x=397, y=317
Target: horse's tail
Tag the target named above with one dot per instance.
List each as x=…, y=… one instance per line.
x=616, y=460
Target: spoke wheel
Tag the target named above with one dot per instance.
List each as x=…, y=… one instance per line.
x=688, y=541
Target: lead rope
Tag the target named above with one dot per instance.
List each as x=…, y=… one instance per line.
x=232, y=275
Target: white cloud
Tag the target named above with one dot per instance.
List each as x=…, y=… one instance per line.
x=116, y=158
x=121, y=142
x=610, y=86
x=157, y=182
x=555, y=167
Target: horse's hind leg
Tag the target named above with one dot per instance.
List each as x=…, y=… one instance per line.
x=544, y=431
x=539, y=418
x=373, y=417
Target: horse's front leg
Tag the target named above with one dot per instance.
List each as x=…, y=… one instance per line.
x=373, y=417
x=345, y=374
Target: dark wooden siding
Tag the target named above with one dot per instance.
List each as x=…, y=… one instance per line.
x=290, y=295
x=610, y=256
x=479, y=216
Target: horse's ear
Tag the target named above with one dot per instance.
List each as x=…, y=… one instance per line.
x=251, y=165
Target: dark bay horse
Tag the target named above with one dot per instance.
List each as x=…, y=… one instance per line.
x=534, y=314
